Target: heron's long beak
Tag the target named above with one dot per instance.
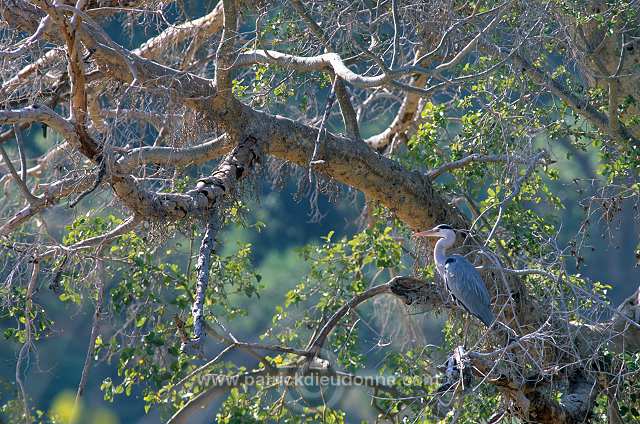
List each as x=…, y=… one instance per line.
x=428, y=233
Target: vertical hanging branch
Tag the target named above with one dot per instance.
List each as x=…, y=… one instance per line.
x=28, y=339
x=98, y=272
x=338, y=89
x=216, y=188
x=224, y=55
x=203, y=267
x=315, y=213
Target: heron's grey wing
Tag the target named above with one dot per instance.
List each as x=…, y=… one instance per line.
x=467, y=287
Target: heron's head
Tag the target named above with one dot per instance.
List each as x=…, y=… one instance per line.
x=439, y=231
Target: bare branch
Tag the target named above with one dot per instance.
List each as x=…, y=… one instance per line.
x=207, y=248
x=324, y=62
x=98, y=273
x=316, y=344
x=349, y=116
x=33, y=200
x=175, y=156
x=53, y=193
x=27, y=43
x=21, y=153
x=128, y=225
x=26, y=347
x=201, y=29
x=224, y=55
x=473, y=43
x=475, y=157
x=579, y=105
x=51, y=156
x=208, y=194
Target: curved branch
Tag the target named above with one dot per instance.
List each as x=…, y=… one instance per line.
x=349, y=115
x=324, y=62
x=20, y=181
x=28, y=42
x=43, y=162
x=200, y=28
x=208, y=194
x=475, y=157
x=53, y=193
x=221, y=384
x=175, y=156
x=43, y=114
x=409, y=289
x=128, y=225
x=316, y=344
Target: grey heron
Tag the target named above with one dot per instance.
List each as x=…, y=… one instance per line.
x=461, y=278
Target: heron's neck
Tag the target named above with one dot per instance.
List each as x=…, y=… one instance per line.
x=440, y=252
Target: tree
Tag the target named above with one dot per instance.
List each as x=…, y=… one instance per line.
x=445, y=112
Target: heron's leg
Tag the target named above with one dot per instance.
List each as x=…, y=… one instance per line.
x=465, y=332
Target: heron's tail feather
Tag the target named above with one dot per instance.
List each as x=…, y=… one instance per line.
x=486, y=316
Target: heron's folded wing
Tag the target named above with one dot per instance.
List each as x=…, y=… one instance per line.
x=467, y=286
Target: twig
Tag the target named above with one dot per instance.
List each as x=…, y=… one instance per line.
x=33, y=200
x=316, y=344
x=102, y=170
x=475, y=157
x=25, y=190
x=26, y=347
x=396, y=25
x=30, y=41
x=327, y=108
x=285, y=373
x=21, y=153
x=98, y=271
x=54, y=286
x=349, y=115
x=123, y=228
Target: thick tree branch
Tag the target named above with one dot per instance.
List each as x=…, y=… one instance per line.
x=208, y=194
x=175, y=156
x=201, y=29
x=203, y=269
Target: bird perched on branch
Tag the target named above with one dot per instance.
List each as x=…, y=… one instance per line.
x=461, y=278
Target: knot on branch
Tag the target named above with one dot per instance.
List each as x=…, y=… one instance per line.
x=237, y=165
x=413, y=291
